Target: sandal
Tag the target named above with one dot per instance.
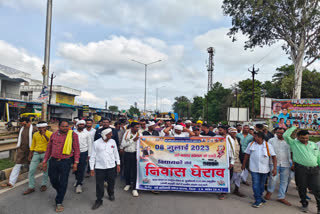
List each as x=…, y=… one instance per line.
x=28, y=191
x=221, y=197
x=43, y=188
x=7, y=185
x=59, y=208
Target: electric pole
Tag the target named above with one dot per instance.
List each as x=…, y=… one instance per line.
x=50, y=94
x=253, y=72
x=45, y=67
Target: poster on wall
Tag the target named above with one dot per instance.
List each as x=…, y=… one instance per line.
x=198, y=164
x=304, y=112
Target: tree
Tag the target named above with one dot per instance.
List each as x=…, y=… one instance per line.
x=197, y=107
x=134, y=111
x=113, y=108
x=218, y=99
x=246, y=94
x=297, y=22
x=182, y=106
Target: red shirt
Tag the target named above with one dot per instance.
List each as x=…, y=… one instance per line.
x=55, y=147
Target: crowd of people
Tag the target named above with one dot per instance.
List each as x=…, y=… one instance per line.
x=280, y=154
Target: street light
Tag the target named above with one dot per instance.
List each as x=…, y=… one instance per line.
x=157, y=96
x=145, y=79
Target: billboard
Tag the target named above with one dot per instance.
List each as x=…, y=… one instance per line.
x=305, y=112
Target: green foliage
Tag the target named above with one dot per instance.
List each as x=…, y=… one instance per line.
x=182, y=106
x=134, y=111
x=197, y=108
x=6, y=163
x=218, y=100
x=113, y=108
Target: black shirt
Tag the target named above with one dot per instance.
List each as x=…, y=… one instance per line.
x=210, y=133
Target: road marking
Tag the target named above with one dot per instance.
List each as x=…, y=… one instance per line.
x=18, y=184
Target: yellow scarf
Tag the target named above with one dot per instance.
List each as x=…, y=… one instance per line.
x=68, y=144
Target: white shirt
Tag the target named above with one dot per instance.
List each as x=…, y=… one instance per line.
x=231, y=148
x=259, y=159
x=172, y=133
x=92, y=133
x=141, y=130
x=128, y=144
x=104, y=155
x=85, y=141
x=282, y=150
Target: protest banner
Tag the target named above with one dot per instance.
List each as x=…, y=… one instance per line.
x=304, y=112
x=198, y=164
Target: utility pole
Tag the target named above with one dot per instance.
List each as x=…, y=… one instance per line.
x=145, y=81
x=253, y=72
x=45, y=68
x=50, y=94
x=156, y=99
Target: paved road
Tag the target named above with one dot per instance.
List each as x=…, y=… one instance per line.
x=12, y=202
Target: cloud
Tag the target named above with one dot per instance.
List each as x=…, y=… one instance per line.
x=141, y=14
x=91, y=99
x=20, y=59
x=231, y=61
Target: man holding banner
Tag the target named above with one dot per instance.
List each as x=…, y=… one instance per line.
x=129, y=145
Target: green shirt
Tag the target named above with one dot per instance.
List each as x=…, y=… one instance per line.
x=306, y=155
x=245, y=141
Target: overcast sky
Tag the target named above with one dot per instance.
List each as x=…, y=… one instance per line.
x=94, y=41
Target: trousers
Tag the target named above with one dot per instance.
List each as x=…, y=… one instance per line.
x=36, y=159
x=130, y=168
x=81, y=167
x=101, y=175
x=59, y=175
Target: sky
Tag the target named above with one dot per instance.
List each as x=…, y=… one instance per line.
x=94, y=42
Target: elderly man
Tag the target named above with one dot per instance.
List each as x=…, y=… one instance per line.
x=151, y=131
x=178, y=131
x=104, y=158
x=188, y=124
x=23, y=145
x=106, y=125
x=306, y=161
x=129, y=145
x=38, y=148
x=85, y=143
x=62, y=145
x=283, y=153
x=237, y=154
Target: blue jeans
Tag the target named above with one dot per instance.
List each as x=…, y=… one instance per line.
x=284, y=173
x=258, y=181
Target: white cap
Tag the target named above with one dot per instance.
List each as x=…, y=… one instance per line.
x=178, y=127
x=105, y=132
x=251, y=127
x=188, y=121
x=151, y=123
x=232, y=129
x=81, y=122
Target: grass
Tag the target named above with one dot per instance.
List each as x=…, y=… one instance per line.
x=6, y=163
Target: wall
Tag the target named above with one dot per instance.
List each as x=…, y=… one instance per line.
x=10, y=89
x=64, y=99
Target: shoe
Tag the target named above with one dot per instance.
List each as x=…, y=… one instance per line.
x=263, y=201
x=256, y=205
x=6, y=185
x=59, y=208
x=304, y=209
x=112, y=198
x=268, y=196
x=126, y=188
x=135, y=193
x=105, y=184
x=237, y=193
x=75, y=184
x=221, y=196
x=79, y=189
x=28, y=191
x=284, y=201
x=245, y=183
x=96, y=205
x=43, y=188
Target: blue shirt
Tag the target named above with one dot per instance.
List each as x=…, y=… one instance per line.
x=245, y=141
